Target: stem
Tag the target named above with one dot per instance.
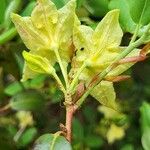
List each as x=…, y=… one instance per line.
x=59, y=82
x=6, y=107
x=111, y=66
x=70, y=110
x=74, y=81
x=19, y=133
x=135, y=34
x=61, y=67
x=8, y=35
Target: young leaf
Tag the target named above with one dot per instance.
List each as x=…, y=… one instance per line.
x=37, y=63
x=128, y=25
x=27, y=100
x=104, y=92
x=52, y=142
x=140, y=11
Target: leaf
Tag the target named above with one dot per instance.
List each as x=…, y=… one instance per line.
x=29, y=34
x=83, y=41
x=128, y=25
x=139, y=11
x=127, y=147
x=37, y=63
x=59, y=3
x=145, y=116
x=146, y=140
x=64, y=30
x=2, y=10
x=78, y=131
x=145, y=125
x=46, y=31
x=27, y=100
x=44, y=17
x=13, y=88
x=97, y=48
x=52, y=142
x=108, y=33
x=97, y=8
x=105, y=94
x=115, y=133
x=27, y=137
x=13, y=6
x=28, y=9
x=110, y=113
x=93, y=141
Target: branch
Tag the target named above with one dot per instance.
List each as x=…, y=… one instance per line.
x=103, y=74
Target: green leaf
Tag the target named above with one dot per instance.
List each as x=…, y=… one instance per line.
x=145, y=125
x=13, y=6
x=2, y=10
x=27, y=137
x=78, y=131
x=126, y=21
x=146, y=139
x=93, y=141
x=97, y=8
x=145, y=116
x=37, y=63
x=140, y=11
x=127, y=147
x=59, y=3
x=13, y=88
x=104, y=92
x=27, y=100
x=27, y=11
x=52, y=142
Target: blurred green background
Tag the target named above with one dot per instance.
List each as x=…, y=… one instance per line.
x=37, y=104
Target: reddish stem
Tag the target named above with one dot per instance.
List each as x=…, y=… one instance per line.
x=70, y=110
